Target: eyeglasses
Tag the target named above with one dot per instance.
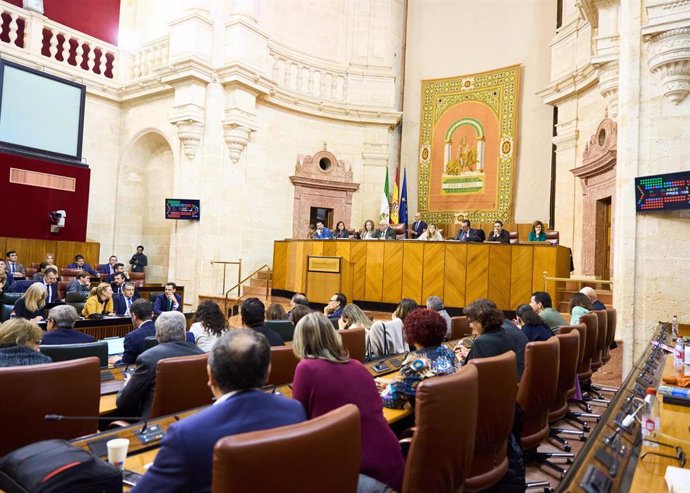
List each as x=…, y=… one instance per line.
x=680, y=454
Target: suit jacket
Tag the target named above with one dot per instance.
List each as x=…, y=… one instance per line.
x=120, y=303
x=77, y=287
x=341, y=234
x=138, y=262
x=418, y=228
x=184, y=461
x=136, y=398
x=52, y=295
x=389, y=234
x=18, y=268
x=161, y=304
x=65, y=336
x=134, y=342
x=324, y=234
x=86, y=268
x=107, y=269
x=473, y=235
x=503, y=236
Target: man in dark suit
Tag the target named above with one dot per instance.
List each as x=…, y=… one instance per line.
x=15, y=270
x=168, y=301
x=237, y=368
x=418, y=227
x=60, y=325
x=142, y=312
x=118, y=283
x=499, y=234
x=119, y=269
x=81, y=284
x=80, y=264
x=466, y=233
x=334, y=308
x=136, y=397
x=385, y=232
x=253, y=316
x=109, y=268
x=50, y=281
x=123, y=302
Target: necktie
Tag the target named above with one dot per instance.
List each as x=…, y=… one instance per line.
x=129, y=305
x=50, y=294
x=12, y=267
x=169, y=305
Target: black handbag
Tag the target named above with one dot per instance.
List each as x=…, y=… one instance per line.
x=55, y=466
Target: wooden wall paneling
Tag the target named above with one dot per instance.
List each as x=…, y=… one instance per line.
x=342, y=250
x=477, y=272
x=392, y=271
x=455, y=275
x=317, y=247
x=373, y=288
x=29, y=251
x=297, y=258
x=434, y=272
x=413, y=268
x=279, y=265
x=3, y=250
x=521, y=275
x=500, y=274
x=358, y=259
x=330, y=247
x=563, y=270
x=92, y=251
x=544, y=260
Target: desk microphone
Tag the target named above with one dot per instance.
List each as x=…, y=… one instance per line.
x=630, y=418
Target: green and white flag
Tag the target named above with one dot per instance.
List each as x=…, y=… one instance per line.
x=385, y=209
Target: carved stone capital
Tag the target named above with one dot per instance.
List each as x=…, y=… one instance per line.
x=608, y=86
x=189, y=120
x=236, y=138
x=669, y=57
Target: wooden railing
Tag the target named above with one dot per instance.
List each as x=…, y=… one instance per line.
x=579, y=280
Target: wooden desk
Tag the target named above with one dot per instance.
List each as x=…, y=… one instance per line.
x=387, y=271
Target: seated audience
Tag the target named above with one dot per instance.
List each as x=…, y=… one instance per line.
x=340, y=231
x=418, y=226
x=298, y=299
x=119, y=269
x=50, y=259
x=252, y=313
x=38, y=276
x=297, y=313
x=436, y=304
x=467, y=234
x=80, y=264
x=81, y=284
x=326, y=379
x=368, y=231
x=32, y=303
x=335, y=306
x=60, y=325
x=593, y=299
x=109, y=268
x=14, y=269
x=499, y=234
x=100, y=302
x=537, y=233
x=431, y=234
x=275, y=311
x=209, y=325
x=386, y=338
x=168, y=301
x=50, y=281
x=322, y=232
x=385, y=232
x=579, y=305
x=532, y=325
x=136, y=397
x=19, y=343
x=123, y=302
x=118, y=282
x=541, y=303
x=141, y=312
x=238, y=367
x=424, y=330
x=354, y=318
x=139, y=261
x=3, y=275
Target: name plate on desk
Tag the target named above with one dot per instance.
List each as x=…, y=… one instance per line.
x=328, y=265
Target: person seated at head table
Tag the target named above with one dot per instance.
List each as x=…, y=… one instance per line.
x=38, y=276
x=275, y=311
x=81, y=284
x=531, y=324
x=593, y=299
x=80, y=264
x=19, y=343
x=499, y=234
x=326, y=378
x=368, y=231
x=537, y=232
x=32, y=303
x=541, y=304
x=310, y=233
x=100, y=302
x=335, y=306
x=579, y=305
x=322, y=232
x=60, y=327
x=431, y=234
x=238, y=368
x=353, y=317
x=208, y=325
x=252, y=313
x=385, y=232
x=425, y=330
x=386, y=338
x=466, y=233
x=340, y=231
x=418, y=226
x=168, y=301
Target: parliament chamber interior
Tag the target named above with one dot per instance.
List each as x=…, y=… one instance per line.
x=365, y=245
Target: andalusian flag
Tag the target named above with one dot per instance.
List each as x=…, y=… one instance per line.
x=395, y=201
x=385, y=211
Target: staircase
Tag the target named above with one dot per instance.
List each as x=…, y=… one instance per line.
x=605, y=295
x=257, y=285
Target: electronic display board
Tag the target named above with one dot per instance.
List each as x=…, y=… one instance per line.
x=183, y=209
x=670, y=191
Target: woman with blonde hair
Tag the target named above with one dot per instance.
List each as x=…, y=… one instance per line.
x=19, y=343
x=50, y=259
x=100, y=302
x=30, y=306
x=354, y=318
x=325, y=379
x=3, y=275
x=431, y=234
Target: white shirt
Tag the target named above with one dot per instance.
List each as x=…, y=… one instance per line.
x=225, y=397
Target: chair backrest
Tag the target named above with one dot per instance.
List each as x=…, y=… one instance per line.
x=154, y=294
x=62, y=289
x=567, y=371
x=553, y=237
x=69, y=388
x=496, y=411
x=76, y=296
x=440, y=455
x=537, y=390
x=601, y=338
x=283, y=364
x=399, y=230
x=69, y=273
x=305, y=453
x=611, y=320
x=66, y=352
x=181, y=384
x=137, y=278
x=354, y=340
x=19, y=286
x=9, y=298
x=584, y=371
x=30, y=271
x=580, y=329
x=149, y=342
x=514, y=237
x=459, y=327
x=283, y=328
x=6, y=312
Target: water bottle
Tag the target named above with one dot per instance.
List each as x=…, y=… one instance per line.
x=674, y=326
x=679, y=356
x=651, y=421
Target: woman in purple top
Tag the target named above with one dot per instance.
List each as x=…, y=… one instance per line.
x=326, y=379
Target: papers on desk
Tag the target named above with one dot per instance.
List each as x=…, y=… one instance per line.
x=677, y=480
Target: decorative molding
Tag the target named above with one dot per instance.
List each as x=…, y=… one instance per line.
x=575, y=83
x=566, y=135
x=669, y=57
x=189, y=120
x=600, y=152
x=588, y=11
x=236, y=137
x=608, y=86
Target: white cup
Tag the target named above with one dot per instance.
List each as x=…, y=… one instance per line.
x=117, y=452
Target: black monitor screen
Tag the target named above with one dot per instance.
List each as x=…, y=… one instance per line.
x=663, y=192
x=183, y=209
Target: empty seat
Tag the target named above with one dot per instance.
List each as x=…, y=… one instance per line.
x=354, y=341
x=459, y=327
x=66, y=352
x=181, y=383
x=553, y=237
x=514, y=237
x=283, y=364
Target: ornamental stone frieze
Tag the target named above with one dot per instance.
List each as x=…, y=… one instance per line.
x=669, y=58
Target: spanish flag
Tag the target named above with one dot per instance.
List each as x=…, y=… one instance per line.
x=395, y=200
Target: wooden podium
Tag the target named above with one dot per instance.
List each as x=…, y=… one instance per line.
x=325, y=276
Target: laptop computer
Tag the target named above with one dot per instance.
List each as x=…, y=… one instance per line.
x=116, y=345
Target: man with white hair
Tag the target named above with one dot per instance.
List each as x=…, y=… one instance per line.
x=592, y=295
x=136, y=397
x=385, y=232
x=436, y=304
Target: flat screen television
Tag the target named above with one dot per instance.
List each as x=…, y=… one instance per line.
x=40, y=114
x=670, y=191
x=189, y=209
